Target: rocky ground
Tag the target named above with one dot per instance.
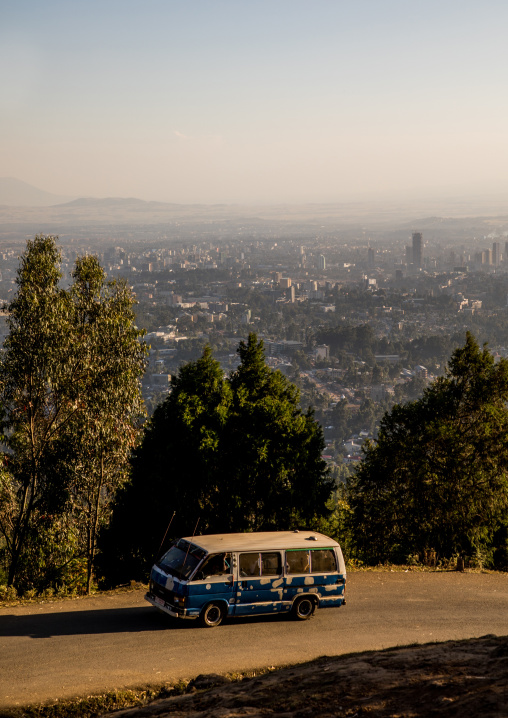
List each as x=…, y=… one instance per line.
x=456, y=678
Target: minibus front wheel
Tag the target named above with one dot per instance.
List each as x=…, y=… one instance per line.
x=211, y=615
x=303, y=608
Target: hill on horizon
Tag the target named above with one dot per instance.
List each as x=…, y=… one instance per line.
x=27, y=209
x=16, y=193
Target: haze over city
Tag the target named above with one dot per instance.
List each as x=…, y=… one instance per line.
x=255, y=102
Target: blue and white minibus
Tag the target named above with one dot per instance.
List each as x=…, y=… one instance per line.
x=211, y=577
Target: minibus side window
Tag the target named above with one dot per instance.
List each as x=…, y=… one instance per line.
x=271, y=564
x=249, y=564
x=323, y=561
x=260, y=564
x=297, y=562
x=218, y=564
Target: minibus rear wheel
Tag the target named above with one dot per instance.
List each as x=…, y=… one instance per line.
x=303, y=608
x=211, y=615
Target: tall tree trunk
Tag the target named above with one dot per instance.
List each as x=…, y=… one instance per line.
x=93, y=530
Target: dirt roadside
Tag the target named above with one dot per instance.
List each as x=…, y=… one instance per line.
x=456, y=678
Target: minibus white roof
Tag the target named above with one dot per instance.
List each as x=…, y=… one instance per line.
x=261, y=541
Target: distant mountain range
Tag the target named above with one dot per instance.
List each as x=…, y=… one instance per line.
x=27, y=209
x=16, y=193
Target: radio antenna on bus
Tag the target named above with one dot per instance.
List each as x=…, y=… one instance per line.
x=162, y=542
x=188, y=547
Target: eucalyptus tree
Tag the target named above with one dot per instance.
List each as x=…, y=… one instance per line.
x=36, y=371
x=70, y=399
x=99, y=438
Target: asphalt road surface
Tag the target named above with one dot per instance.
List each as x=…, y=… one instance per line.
x=80, y=647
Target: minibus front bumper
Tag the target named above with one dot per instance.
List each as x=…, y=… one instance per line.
x=174, y=611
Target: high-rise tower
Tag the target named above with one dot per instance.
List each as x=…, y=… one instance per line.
x=418, y=249
x=496, y=254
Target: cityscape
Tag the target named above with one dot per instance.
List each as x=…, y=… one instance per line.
x=358, y=318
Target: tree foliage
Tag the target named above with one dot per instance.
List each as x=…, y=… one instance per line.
x=274, y=449
x=94, y=451
x=35, y=367
x=221, y=454
x=437, y=475
x=69, y=383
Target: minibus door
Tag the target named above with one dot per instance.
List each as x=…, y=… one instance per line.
x=213, y=581
x=260, y=583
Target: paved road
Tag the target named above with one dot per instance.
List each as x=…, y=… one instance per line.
x=71, y=648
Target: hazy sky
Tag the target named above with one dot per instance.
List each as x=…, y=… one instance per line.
x=255, y=100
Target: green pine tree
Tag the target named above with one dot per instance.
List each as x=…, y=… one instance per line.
x=219, y=455
x=437, y=477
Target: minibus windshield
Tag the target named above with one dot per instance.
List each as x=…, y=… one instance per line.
x=181, y=559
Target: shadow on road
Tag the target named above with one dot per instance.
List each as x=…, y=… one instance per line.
x=112, y=620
